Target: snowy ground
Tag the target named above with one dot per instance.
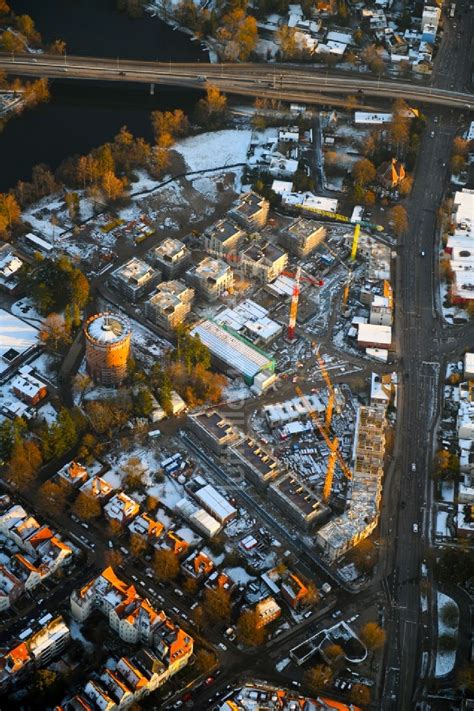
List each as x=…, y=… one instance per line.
x=444, y=660
x=214, y=150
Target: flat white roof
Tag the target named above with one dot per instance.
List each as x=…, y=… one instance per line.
x=464, y=204
x=282, y=186
x=365, y=117
x=16, y=335
x=210, y=497
x=372, y=333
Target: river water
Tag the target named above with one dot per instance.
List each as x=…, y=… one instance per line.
x=82, y=115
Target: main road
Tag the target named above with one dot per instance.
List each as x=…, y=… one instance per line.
x=292, y=83
x=405, y=526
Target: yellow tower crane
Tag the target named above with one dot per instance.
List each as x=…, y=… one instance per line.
x=327, y=380
x=333, y=446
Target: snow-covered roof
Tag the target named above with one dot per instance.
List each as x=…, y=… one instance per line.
x=363, y=117
x=210, y=497
x=108, y=328
x=372, y=333
x=282, y=186
x=16, y=338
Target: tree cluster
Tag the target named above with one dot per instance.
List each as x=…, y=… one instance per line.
x=211, y=111
x=459, y=155
x=10, y=213
x=455, y=565
x=447, y=465
x=187, y=370
x=21, y=35
x=55, y=285
x=60, y=436
x=248, y=630
x=239, y=35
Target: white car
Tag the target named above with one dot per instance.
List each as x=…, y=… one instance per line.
x=413, y=467
x=415, y=528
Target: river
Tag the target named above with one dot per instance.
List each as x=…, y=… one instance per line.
x=82, y=115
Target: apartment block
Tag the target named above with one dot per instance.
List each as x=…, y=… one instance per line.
x=211, y=278
x=222, y=238
x=250, y=211
x=298, y=501
x=171, y=257
x=213, y=430
x=258, y=465
x=135, y=279
x=303, y=236
x=263, y=261
x=170, y=304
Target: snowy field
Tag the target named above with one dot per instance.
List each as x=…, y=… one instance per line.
x=214, y=150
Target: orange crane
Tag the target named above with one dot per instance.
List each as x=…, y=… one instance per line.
x=333, y=446
x=327, y=380
x=295, y=297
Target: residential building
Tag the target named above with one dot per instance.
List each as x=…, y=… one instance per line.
x=97, y=488
x=218, y=580
x=74, y=474
x=10, y=266
x=223, y=238
x=27, y=387
x=121, y=508
x=267, y=611
x=36, y=553
x=298, y=501
x=146, y=528
x=10, y=588
x=170, y=304
x=293, y=590
x=213, y=430
x=211, y=278
x=19, y=341
x=235, y=353
x=460, y=247
x=283, y=168
x=33, y=652
x=198, y=566
x=133, y=618
x=171, y=257
x=257, y=464
x=250, y=211
x=303, y=236
x=172, y=541
x=263, y=261
x=135, y=279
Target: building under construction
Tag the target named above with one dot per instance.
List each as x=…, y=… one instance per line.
x=108, y=338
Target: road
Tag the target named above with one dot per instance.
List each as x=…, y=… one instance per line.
x=294, y=83
x=407, y=492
